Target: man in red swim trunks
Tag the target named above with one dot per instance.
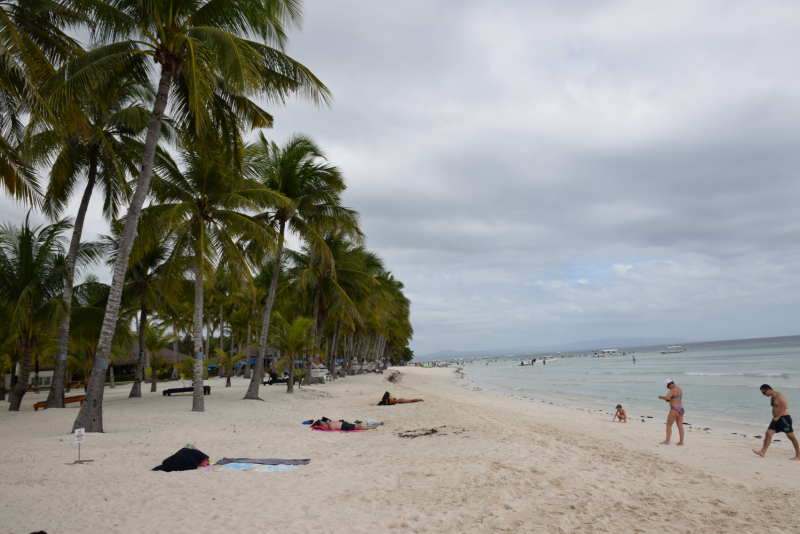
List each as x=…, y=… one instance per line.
x=781, y=421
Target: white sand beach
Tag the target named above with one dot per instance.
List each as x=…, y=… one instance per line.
x=496, y=464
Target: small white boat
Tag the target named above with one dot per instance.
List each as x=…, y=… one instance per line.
x=673, y=349
x=551, y=360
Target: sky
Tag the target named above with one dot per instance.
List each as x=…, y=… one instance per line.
x=539, y=173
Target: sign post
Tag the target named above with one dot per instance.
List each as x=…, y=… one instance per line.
x=80, y=437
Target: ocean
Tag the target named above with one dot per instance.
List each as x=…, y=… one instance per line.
x=720, y=380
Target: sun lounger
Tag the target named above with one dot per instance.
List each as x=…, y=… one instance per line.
x=68, y=400
x=169, y=392
x=274, y=379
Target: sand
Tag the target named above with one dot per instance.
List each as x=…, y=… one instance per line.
x=496, y=463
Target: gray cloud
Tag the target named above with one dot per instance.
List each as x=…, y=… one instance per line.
x=503, y=152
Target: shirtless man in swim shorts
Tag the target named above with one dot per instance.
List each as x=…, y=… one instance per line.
x=342, y=425
x=781, y=421
x=675, y=409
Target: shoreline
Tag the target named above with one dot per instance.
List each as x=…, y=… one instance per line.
x=496, y=462
x=706, y=423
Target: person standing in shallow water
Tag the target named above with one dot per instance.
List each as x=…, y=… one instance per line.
x=675, y=410
x=781, y=421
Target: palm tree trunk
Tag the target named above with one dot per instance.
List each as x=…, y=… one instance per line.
x=153, y=376
x=247, y=354
x=111, y=377
x=198, y=402
x=255, y=380
x=55, y=399
x=136, y=389
x=290, y=382
x=335, y=346
x=36, y=377
x=314, y=328
x=3, y=388
x=209, y=332
x=347, y=348
x=221, y=330
x=24, y=374
x=90, y=415
x=175, y=350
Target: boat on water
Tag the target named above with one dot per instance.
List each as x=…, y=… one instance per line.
x=551, y=360
x=673, y=349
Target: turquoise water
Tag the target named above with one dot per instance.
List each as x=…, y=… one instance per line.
x=719, y=384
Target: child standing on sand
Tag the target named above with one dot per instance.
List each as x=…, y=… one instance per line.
x=621, y=414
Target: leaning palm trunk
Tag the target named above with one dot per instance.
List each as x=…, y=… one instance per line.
x=247, y=352
x=136, y=388
x=19, y=389
x=198, y=403
x=56, y=397
x=111, y=384
x=255, y=380
x=90, y=415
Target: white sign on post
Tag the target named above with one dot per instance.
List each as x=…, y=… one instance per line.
x=80, y=435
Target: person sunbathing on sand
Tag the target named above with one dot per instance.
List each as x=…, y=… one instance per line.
x=388, y=400
x=621, y=414
x=675, y=410
x=341, y=425
x=781, y=421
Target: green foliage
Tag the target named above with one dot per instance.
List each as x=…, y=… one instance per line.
x=226, y=360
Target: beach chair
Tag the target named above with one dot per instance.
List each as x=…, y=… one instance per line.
x=68, y=400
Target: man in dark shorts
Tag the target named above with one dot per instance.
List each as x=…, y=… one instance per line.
x=340, y=425
x=781, y=421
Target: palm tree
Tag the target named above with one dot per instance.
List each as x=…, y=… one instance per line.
x=205, y=209
x=176, y=314
x=156, y=339
x=32, y=273
x=227, y=361
x=334, y=282
x=103, y=147
x=152, y=282
x=33, y=44
x=299, y=171
x=293, y=340
x=199, y=47
x=87, y=320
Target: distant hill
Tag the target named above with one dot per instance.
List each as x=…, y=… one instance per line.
x=590, y=344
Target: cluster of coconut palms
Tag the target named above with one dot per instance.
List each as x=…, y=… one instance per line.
x=160, y=113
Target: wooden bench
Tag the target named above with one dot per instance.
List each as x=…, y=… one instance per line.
x=68, y=400
x=169, y=392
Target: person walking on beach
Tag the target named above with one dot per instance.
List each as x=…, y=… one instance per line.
x=675, y=410
x=781, y=421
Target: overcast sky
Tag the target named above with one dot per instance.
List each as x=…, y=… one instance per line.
x=544, y=172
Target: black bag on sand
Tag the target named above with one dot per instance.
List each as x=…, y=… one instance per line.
x=183, y=460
